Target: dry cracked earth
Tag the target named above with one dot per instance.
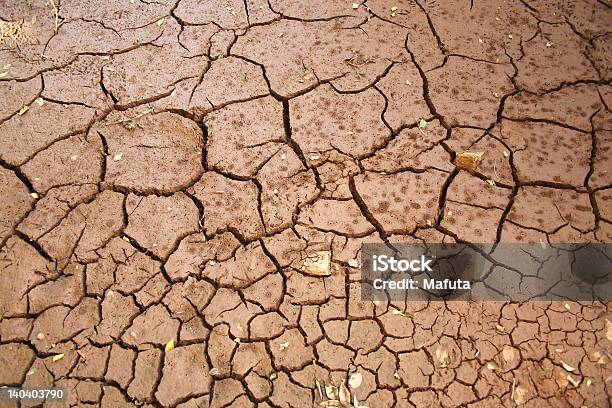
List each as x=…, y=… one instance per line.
x=167, y=168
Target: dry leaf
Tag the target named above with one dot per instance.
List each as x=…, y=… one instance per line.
x=396, y=375
x=331, y=392
x=567, y=367
x=160, y=21
x=343, y=393
x=23, y=110
x=355, y=380
x=574, y=382
x=491, y=365
x=508, y=353
x=214, y=371
x=284, y=345
x=500, y=328
x=397, y=312
x=318, y=384
x=126, y=239
x=588, y=382
x=34, y=195
x=169, y=345
x=491, y=182
x=567, y=306
x=355, y=5
x=468, y=161
x=118, y=157
x=317, y=264
x=520, y=395
x=442, y=356
x=58, y=357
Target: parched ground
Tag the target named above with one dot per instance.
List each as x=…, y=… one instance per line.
x=168, y=167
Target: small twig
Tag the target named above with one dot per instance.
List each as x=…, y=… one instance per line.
x=128, y=120
x=56, y=16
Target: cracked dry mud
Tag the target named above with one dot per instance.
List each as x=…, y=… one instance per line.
x=180, y=160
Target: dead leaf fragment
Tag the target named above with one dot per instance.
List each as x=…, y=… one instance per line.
x=23, y=110
x=508, y=353
x=343, y=393
x=355, y=5
x=468, y=161
x=567, y=367
x=58, y=357
x=355, y=380
x=284, y=345
x=331, y=392
x=317, y=264
x=442, y=356
x=397, y=312
x=520, y=395
x=34, y=195
x=169, y=345
x=118, y=157
x=318, y=384
x=574, y=381
x=330, y=403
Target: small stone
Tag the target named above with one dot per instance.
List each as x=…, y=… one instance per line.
x=317, y=264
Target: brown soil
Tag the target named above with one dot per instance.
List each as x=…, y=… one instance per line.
x=167, y=167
